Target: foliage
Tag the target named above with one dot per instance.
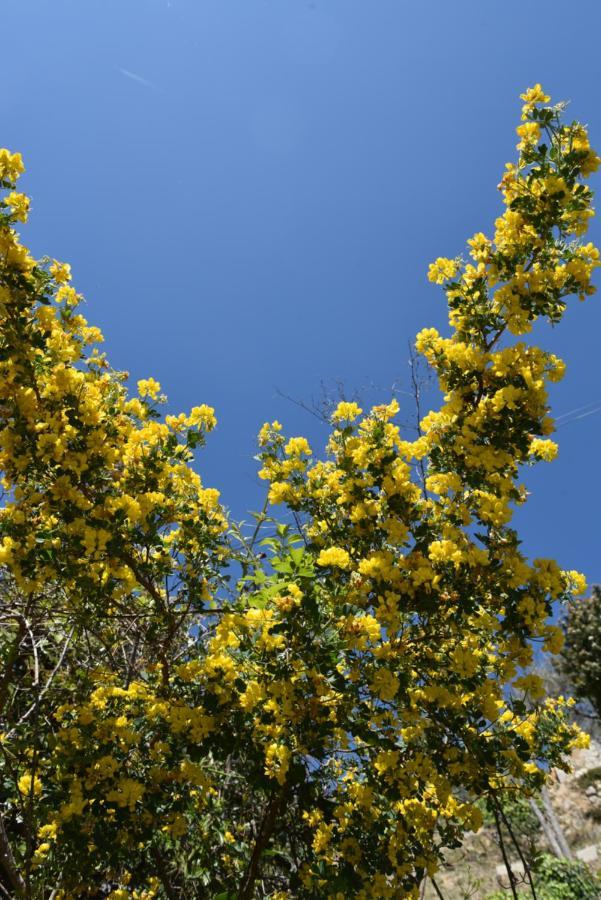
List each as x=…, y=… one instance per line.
x=580, y=658
x=192, y=710
x=565, y=879
x=560, y=879
x=518, y=823
x=590, y=778
x=518, y=813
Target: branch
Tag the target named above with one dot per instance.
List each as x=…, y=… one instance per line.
x=132, y=662
x=162, y=873
x=439, y=893
x=517, y=846
x=266, y=829
x=10, y=661
x=413, y=363
x=8, y=861
x=504, y=854
x=51, y=677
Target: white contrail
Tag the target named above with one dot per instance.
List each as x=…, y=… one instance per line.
x=138, y=78
x=582, y=415
x=578, y=409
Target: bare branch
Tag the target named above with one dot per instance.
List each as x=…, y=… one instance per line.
x=46, y=687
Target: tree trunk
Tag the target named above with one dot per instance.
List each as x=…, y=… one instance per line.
x=551, y=827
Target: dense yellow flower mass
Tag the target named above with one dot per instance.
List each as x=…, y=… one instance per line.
x=189, y=709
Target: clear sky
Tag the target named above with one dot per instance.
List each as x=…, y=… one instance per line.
x=250, y=192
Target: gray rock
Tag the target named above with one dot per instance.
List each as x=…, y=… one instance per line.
x=588, y=854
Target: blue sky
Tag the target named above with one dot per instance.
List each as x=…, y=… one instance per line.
x=250, y=192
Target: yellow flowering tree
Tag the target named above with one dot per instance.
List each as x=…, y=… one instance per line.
x=189, y=710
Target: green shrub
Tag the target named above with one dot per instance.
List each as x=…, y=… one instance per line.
x=558, y=879
x=565, y=879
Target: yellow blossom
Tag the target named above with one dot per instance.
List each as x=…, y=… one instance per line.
x=334, y=556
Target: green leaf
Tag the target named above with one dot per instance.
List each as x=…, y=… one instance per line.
x=296, y=554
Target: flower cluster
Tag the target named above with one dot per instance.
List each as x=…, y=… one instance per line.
x=185, y=715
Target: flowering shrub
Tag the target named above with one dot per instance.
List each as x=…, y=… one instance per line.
x=324, y=726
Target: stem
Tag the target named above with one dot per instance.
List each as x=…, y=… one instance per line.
x=162, y=873
x=418, y=415
x=5, y=680
x=437, y=889
x=266, y=829
x=46, y=687
x=132, y=661
x=504, y=854
x=517, y=847
x=8, y=862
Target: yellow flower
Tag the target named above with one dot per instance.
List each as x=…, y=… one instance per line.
x=442, y=269
x=48, y=831
x=531, y=97
x=297, y=446
x=346, y=412
x=546, y=450
x=280, y=492
x=529, y=134
x=19, y=204
x=277, y=761
x=576, y=581
x=445, y=551
x=268, y=431
x=148, y=387
x=322, y=837
x=203, y=417
x=385, y=684
x=61, y=272
x=581, y=741
x=68, y=295
x=28, y=784
x=481, y=246
x=40, y=853
x=127, y=793
x=334, y=556
x=252, y=695
x=11, y=165
x=425, y=339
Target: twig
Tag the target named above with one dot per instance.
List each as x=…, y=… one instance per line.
x=9, y=664
x=51, y=677
x=264, y=833
x=517, y=847
x=418, y=415
x=504, y=854
x=8, y=861
x=162, y=873
x=34, y=647
x=439, y=893
x=132, y=660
